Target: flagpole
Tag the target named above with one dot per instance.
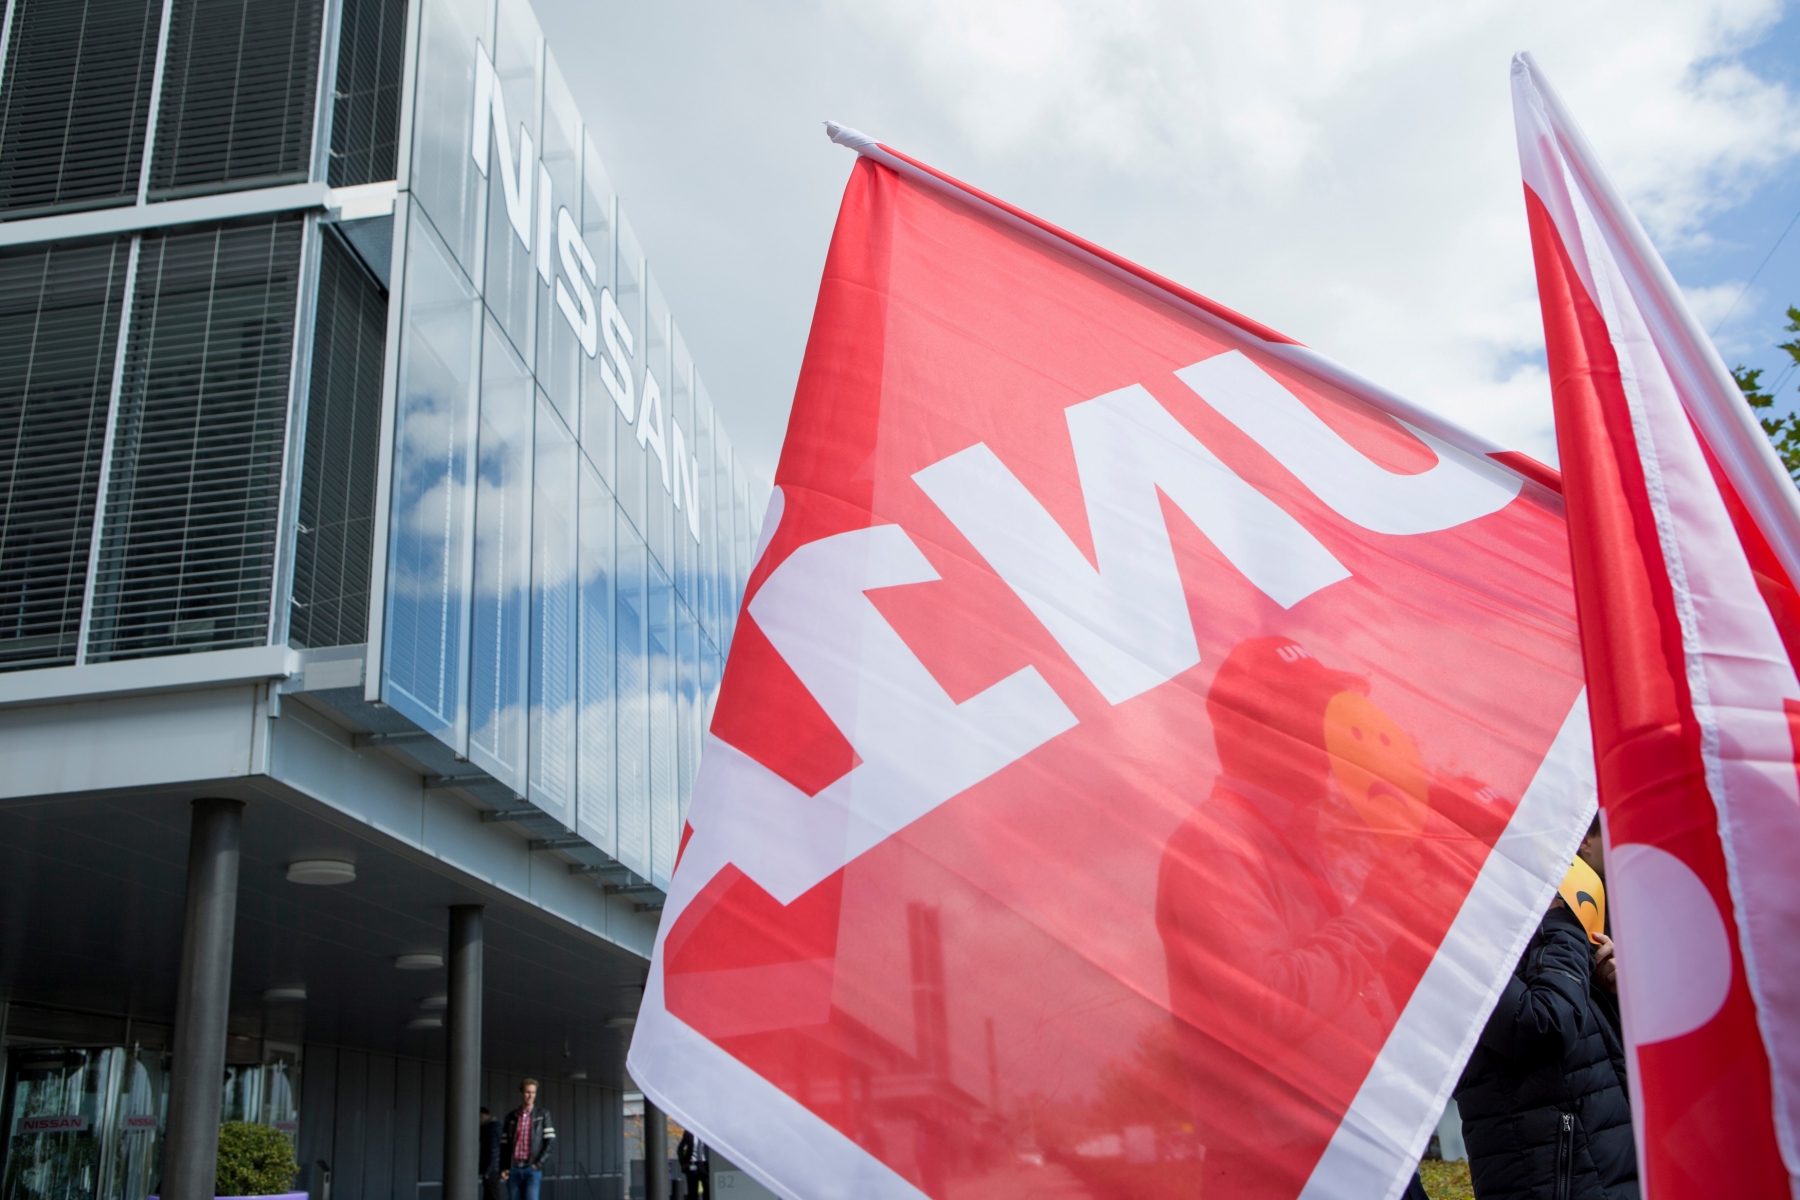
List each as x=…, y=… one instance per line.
x=1218, y=317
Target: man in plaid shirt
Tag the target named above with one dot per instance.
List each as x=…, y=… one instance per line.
x=528, y=1139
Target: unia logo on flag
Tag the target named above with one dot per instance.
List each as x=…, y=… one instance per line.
x=1144, y=752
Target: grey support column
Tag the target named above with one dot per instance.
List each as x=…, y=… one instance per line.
x=656, y=1153
x=202, y=1002
x=462, y=1100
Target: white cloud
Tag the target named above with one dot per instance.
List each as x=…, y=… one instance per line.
x=1342, y=170
x=1345, y=171
x=1713, y=304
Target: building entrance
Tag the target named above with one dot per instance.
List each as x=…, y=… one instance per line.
x=265, y=1092
x=86, y=1123
x=83, y=1123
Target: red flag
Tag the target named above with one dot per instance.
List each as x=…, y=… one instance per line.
x=1144, y=752
x=1686, y=537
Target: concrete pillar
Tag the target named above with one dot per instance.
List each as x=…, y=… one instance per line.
x=656, y=1153
x=202, y=1002
x=462, y=1075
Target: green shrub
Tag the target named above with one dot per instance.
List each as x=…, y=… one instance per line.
x=254, y=1160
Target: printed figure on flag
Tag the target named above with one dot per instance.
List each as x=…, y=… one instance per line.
x=1276, y=895
x=1145, y=749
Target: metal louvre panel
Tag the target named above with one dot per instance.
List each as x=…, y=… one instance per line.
x=365, y=119
x=343, y=431
x=188, y=555
x=76, y=101
x=238, y=92
x=59, y=329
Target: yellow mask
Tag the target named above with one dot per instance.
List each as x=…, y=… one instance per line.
x=1585, y=895
x=1376, y=764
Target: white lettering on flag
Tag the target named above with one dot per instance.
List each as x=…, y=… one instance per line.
x=1126, y=622
x=918, y=746
x=1459, y=489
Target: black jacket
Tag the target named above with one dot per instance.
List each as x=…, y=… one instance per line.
x=1545, y=1112
x=542, y=1141
x=490, y=1148
x=691, y=1153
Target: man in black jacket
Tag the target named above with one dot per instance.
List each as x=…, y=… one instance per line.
x=527, y=1142
x=692, y=1154
x=491, y=1186
x=1545, y=1111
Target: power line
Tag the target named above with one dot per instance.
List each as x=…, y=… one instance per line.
x=1758, y=271
x=1781, y=379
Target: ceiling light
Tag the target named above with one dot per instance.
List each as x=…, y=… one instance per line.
x=321, y=871
x=280, y=994
x=425, y=1023
x=620, y=1022
x=419, y=962
x=435, y=1002
x=577, y=1075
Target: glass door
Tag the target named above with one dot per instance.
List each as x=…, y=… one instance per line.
x=136, y=1138
x=263, y=1093
x=83, y=1124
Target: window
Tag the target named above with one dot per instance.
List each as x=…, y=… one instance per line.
x=334, y=537
x=631, y=673
x=238, y=92
x=659, y=657
x=187, y=560
x=555, y=639
x=59, y=331
x=365, y=118
x=426, y=639
x=500, y=668
x=76, y=102
x=596, y=818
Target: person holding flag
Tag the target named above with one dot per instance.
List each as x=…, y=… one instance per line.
x=1543, y=1100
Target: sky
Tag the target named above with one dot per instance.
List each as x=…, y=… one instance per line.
x=1342, y=171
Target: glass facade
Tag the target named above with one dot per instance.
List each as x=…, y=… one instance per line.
x=568, y=527
x=409, y=397
x=87, y=1122
x=430, y=540
x=213, y=433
